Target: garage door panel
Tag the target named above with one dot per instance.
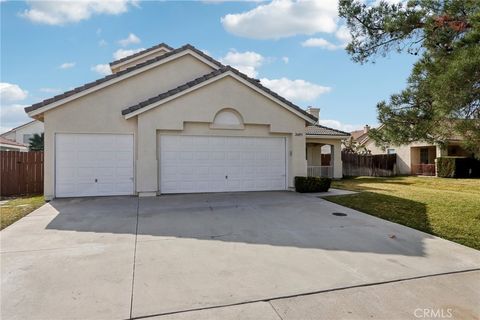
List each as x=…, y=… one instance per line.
x=215, y=164
x=93, y=165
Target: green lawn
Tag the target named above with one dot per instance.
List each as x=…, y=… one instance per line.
x=18, y=208
x=448, y=208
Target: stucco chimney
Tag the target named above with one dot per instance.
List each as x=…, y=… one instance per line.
x=314, y=112
x=366, y=128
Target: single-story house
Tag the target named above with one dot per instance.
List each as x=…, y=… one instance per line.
x=23, y=133
x=176, y=121
x=9, y=145
x=416, y=158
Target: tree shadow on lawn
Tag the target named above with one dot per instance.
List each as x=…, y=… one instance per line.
x=276, y=219
x=399, y=210
x=359, y=182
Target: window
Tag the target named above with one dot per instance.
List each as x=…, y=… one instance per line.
x=391, y=151
x=27, y=137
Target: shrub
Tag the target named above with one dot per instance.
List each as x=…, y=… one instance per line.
x=458, y=167
x=312, y=184
x=446, y=167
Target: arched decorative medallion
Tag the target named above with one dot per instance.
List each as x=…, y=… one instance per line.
x=227, y=118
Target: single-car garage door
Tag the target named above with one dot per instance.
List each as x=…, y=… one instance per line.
x=93, y=164
x=216, y=164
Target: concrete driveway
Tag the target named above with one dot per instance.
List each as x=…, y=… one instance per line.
x=266, y=255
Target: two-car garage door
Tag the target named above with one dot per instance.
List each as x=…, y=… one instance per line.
x=102, y=164
x=218, y=163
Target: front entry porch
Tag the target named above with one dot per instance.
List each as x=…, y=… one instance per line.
x=319, y=160
x=423, y=160
x=323, y=159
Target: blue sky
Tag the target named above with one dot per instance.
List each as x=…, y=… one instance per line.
x=295, y=48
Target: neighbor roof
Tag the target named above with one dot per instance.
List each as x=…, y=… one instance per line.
x=158, y=46
x=357, y=134
x=118, y=74
x=206, y=77
x=20, y=126
x=5, y=141
x=318, y=130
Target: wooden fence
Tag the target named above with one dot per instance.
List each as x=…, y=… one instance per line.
x=379, y=165
x=21, y=173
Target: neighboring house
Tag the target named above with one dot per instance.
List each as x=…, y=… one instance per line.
x=23, y=133
x=9, y=145
x=417, y=158
x=175, y=121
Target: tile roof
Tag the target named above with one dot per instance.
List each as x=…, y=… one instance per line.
x=118, y=74
x=11, y=142
x=357, y=134
x=140, y=53
x=324, y=131
x=206, y=77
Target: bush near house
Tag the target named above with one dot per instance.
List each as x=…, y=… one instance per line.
x=312, y=184
x=458, y=167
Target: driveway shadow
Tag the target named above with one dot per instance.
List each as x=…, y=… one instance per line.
x=264, y=218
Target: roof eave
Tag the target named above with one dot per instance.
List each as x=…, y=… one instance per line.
x=188, y=50
x=306, y=117
x=328, y=136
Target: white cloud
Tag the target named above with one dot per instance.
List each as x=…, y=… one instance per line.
x=131, y=39
x=103, y=69
x=11, y=113
x=67, y=65
x=122, y=53
x=339, y=125
x=321, y=43
x=61, y=12
x=284, y=18
x=285, y=60
x=11, y=92
x=12, y=116
x=247, y=62
x=50, y=90
x=343, y=34
x=102, y=43
x=297, y=90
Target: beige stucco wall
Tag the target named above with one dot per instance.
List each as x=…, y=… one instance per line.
x=100, y=112
x=138, y=60
x=193, y=112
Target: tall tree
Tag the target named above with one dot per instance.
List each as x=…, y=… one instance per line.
x=36, y=142
x=442, y=97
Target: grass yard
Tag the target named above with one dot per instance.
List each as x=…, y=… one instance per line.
x=448, y=208
x=16, y=209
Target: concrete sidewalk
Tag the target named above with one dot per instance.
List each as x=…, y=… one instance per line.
x=451, y=296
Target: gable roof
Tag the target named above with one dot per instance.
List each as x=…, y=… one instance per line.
x=119, y=74
x=178, y=91
x=20, y=126
x=158, y=46
x=318, y=130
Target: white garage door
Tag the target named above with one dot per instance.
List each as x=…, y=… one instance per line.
x=216, y=164
x=93, y=165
